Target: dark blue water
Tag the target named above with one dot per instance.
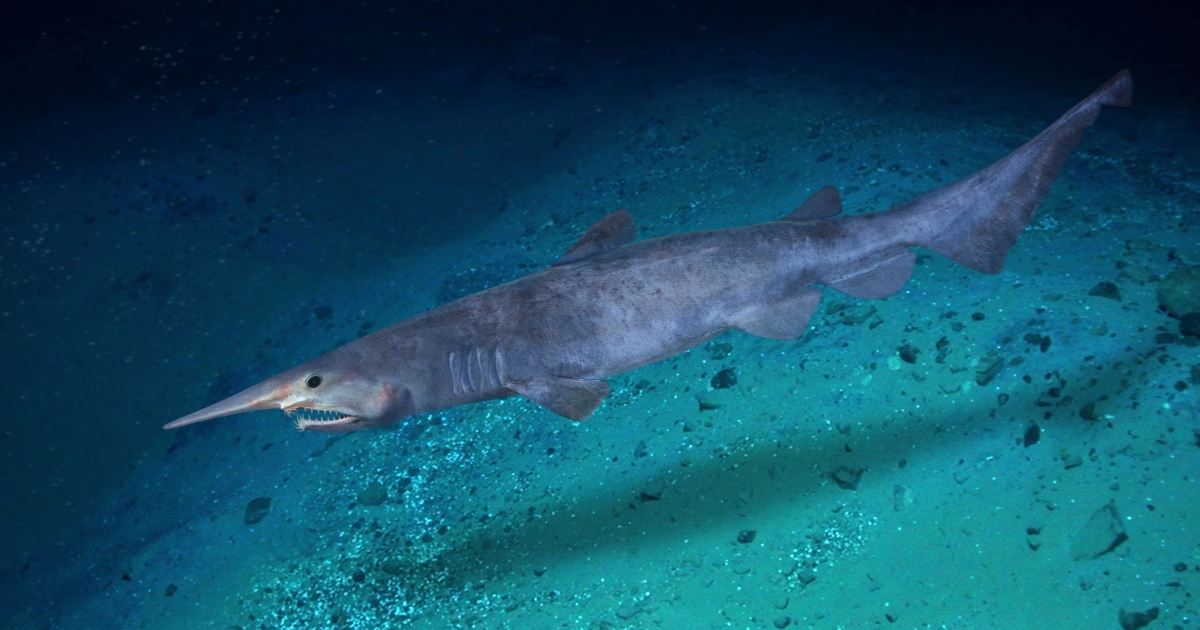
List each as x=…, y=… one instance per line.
x=198, y=196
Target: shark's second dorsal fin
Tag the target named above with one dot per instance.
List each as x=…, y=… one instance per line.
x=823, y=204
x=608, y=233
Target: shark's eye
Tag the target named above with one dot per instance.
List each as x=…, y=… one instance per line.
x=313, y=381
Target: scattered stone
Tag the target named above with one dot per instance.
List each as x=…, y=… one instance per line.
x=625, y=613
x=359, y=576
x=1179, y=292
x=391, y=566
x=1088, y=412
x=1189, y=325
x=724, y=379
x=989, y=366
x=847, y=478
x=1166, y=338
x=908, y=353
x=806, y=575
x=323, y=313
x=172, y=589
x=1033, y=433
x=1101, y=534
x=257, y=509
x=783, y=622
x=1072, y=460
x=901, y=498
x=1180, y=567
x=1136, y=619
x=640, y=451
x=1033, y=543
x=710, y=401
x=1106, y=290
x=719, y=350
x=747, y=536
x=373, y=494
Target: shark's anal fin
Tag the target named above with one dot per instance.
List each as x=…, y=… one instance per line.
x=879, y=281
x=608, y=233
x=785, y=318
x=822, y=204
x=568, y=397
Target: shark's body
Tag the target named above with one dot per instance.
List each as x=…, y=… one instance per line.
x=609, y=305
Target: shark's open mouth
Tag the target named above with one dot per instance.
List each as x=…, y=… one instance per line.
x=306, y=417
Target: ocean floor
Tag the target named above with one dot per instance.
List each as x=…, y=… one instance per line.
x=1016, y=450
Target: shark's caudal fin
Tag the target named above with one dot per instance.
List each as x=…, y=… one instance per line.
x=976, y=220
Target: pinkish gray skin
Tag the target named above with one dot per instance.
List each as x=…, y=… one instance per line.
x=611, y=305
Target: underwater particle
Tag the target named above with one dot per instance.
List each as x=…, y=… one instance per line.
x=847, y=478
x=374, y=494
x=724, y=379
x=1033, y=433
x=1106, y=289
x=1189, y=325
x=1101, y=534
x=1136, y=619
x=747, y=536
x=171, y=590
x=257, y=509
x=1179, y=292
x=908, y=353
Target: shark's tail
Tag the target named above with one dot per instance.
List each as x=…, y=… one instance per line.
x=976, y=220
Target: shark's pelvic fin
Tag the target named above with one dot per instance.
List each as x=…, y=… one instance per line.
x=785, y=318
x=879, y=281
x=822, y=204
x=611, y=232
x=572, y=398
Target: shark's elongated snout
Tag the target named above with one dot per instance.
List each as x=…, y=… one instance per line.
x=269, y=394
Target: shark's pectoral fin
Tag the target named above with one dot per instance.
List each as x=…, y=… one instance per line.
x=879, y=281
x=611, y=232
x=568, y=397
x=785, y=318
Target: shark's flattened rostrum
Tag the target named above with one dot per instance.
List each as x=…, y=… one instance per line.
x=610, y=305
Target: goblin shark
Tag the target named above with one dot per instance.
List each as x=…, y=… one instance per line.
x=609, y=305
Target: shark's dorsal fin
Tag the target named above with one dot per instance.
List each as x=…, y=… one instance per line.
x=823, y=204
x=608, y=233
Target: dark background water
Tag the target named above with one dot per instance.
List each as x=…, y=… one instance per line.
x=153, y=62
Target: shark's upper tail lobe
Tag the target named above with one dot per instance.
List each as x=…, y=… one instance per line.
x=976, y=220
